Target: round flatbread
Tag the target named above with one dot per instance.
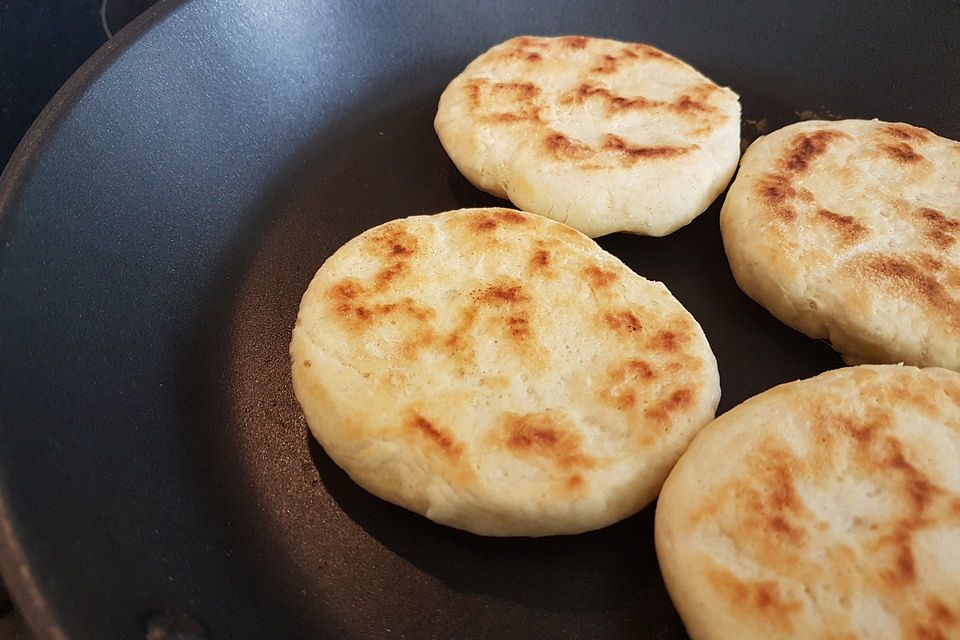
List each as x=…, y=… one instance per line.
x=498, y=372
x=602, y=135
x=848, y=231
x=824, y=508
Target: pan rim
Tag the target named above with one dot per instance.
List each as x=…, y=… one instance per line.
x=40, y=616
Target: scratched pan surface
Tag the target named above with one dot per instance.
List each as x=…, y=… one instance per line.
x=165, y=213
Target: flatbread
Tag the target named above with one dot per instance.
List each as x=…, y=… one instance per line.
x=602, y=135
x=848, y=231
x=498, y=372
x=825, y=508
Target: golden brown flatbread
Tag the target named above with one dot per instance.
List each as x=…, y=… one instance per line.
x=824, y=508
x=602, y=135
x=848, y=231
x=498, y=372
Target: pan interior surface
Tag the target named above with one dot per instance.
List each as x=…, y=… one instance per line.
x=161, y=220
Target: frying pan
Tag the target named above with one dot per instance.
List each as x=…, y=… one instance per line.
x=164, y=214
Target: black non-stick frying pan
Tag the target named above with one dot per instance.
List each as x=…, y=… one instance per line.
x=160, y=221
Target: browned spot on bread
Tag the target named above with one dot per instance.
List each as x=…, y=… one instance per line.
x=406, y=306
x=441, y=438
x=919, y=494
x=563, y=148
x=904, y=570
x=307, y=364
x=574, y=42
x=509, y=117
x=922, y=632
x=918, y=486
x=919, y=400
x=454, y=341
x=782, y=495
x=863, y=435
x=638, y=369
x=545, y=435
x=503, y=306
x=473, y=93
x=344, y=296
x=396, y=246
x=623, y=381
x=540, y=259
x=351, y=303
x=901, y=152
x=778, y=524
x=676, y=401
x=511, y=217
x=612, y=146
x=608, y=64
x=691, y=105
x=906, y=132
x=574, y=482
x=418, y=335
x=611, y=63
x=847, y=226
x=484, y=223
x=775, y=506
x=940, y=239
x=385, y=276
x=622, y=322
x=776, y=191
x=667, y=340
x=648, y=51
x=703, y=90
x=528, y=41
x=392, y=241
x=598, y=277
x=574, y=236
x=910, y=282
x=625, y=399
x=614, y=103
x=805, y=147
x=523, y=91
x=582, y=93
x=940, y=612
x=631, y=153
x=694, y=104
x=504, y=294
x=519, y=327
x=938, y=228
x=458, y=342
x=488, y=221
x=522, y=51
x=503, y=102
x=619, y=103
x=758, y=597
